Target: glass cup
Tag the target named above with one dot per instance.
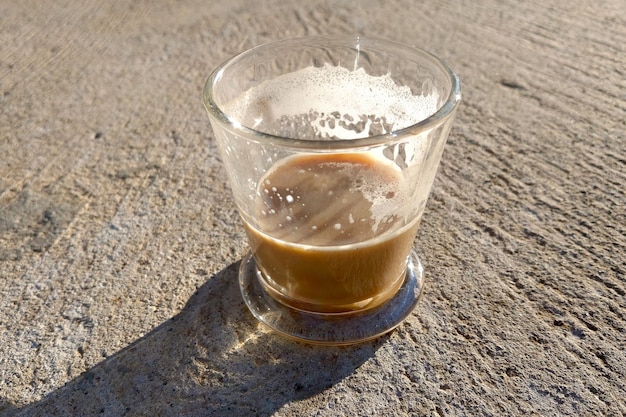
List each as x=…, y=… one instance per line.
x=331, y=145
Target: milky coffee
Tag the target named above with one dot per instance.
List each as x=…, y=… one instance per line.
x=332, y=231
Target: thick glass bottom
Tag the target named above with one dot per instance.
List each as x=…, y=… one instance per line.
x=330, y=328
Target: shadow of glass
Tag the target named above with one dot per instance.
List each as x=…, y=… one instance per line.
x=213, y=358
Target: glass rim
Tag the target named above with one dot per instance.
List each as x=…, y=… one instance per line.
x=443, y=112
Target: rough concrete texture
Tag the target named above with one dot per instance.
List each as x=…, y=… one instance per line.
x=119, y=241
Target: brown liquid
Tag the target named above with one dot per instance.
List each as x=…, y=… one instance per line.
x=329, y=238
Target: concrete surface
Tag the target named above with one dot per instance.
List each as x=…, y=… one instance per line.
x=119, y=242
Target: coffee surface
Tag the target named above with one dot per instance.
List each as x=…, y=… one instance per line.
x=328, y=233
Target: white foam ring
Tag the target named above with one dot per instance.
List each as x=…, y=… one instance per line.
x=339, y=103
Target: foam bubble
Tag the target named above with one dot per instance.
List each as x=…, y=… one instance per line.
x=337, y=102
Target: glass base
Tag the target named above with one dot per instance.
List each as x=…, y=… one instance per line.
x=331, y=328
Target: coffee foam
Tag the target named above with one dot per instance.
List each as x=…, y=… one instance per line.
x=337, y=102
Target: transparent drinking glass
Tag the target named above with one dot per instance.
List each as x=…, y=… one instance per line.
x=331, y=145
